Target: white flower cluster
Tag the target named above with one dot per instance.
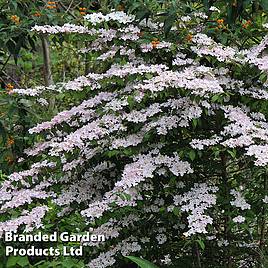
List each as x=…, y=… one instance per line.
x=66, y=28
x=223, y=243
x=107, y=259
x=161, y=238
x=200, y=144
x=149, y=47
x=239, y=201
x=141, y=117
x=256, y=56
x=31, y=219
x=166, y=260
x=200, y=198
x=260, y=152
x=207, y=46
x=80, y=110
x=119, y=16
x=214, y=9
x=239, y=219
x=145, y=165
x=181, y=60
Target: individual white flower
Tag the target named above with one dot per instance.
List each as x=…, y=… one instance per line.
x=239, y=219
x=212, y=8
x=185, y=18
x=222, y=242
x=119, y=16
x=166, y=260
x=43, y=101
x=265, y=199
x=239, y=201
x=161, y=238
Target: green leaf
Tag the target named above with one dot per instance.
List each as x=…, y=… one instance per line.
x=192, y=155
x=38, y=264
x=176, y=211
x=169, y=21
x=194, y=122
x=215, y=98
x=263, y=77
x=141, y=262
x=131, y=101
x=230, y=15
x=25, y=102
x=264, y=4
x=68, y=263
x=206, y=4
x=143, y=14
x=201, y=244
x=232, y=153
x=12, y=261
x=3, y=132
x=23, y=261
x=149, y=76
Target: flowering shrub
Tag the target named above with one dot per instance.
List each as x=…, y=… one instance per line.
x=165, y=153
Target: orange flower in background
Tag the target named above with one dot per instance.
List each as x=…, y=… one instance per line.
x=9, y=88
x=189, y=37
x=9, y=160
x=51, y=5
x=15, y=19
x=183, y=237
x=10, y=141
x=37, y=14
x=220, y=23
x=155, y=43
x=82, y=10
x=121, y=8
x=246, y=24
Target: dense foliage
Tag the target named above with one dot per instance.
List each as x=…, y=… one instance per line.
x=160, y=143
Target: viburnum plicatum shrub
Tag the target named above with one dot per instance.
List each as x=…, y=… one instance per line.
x=166, y=154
